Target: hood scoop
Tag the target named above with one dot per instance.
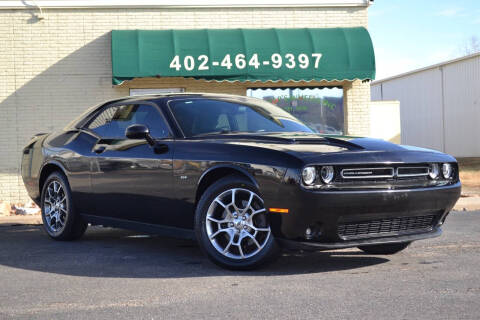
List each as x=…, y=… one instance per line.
x=284, y=138
x=327, y=140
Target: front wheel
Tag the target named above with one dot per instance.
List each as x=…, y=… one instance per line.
x=232, y=227
x=390, y=248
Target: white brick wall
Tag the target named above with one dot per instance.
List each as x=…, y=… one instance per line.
x=357, y=110
x=52, y=70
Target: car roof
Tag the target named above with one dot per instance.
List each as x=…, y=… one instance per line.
x=158, y=99
x=170, y=96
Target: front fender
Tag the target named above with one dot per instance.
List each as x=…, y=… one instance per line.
x=240, y=169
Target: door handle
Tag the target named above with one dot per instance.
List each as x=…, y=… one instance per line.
x=99, y=149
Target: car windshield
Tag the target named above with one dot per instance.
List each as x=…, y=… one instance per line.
x=200, y=116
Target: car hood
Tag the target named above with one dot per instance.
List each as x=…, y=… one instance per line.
x=336, y=149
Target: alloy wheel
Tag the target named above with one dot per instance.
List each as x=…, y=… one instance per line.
x=236, y=223
x=55, y=207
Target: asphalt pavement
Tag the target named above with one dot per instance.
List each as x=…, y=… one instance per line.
x=116, y=274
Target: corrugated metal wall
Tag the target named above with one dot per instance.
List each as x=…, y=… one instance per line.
x=439, y=106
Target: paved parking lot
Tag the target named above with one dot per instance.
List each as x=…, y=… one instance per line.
x=118, y=274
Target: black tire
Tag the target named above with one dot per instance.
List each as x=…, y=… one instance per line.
x=73, y=225
x=267, y=252
x=391, y=248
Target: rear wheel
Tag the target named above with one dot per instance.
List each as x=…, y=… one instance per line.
x=390, y=248
x=231, y=225
x=59, y=219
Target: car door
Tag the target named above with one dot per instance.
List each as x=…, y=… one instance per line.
x=131, y=180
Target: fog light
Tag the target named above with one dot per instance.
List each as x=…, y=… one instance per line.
x=447, y=170
x=434, y=171
x=327, y=174
x=308, y=233
x=309, y=174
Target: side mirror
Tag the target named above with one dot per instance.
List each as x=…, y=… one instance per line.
x=139, y=131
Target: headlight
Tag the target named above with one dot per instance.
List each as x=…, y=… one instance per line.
x=309, y=174
x=326, y=173
x=447, y=170
x=434, y=171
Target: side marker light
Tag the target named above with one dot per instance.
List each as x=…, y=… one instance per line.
x=278, y=210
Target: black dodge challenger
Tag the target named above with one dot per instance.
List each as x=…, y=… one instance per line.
x=241, y=175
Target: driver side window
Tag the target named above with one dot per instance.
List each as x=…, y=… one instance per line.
x=113, y=121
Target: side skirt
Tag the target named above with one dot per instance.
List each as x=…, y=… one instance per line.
x=166, y=231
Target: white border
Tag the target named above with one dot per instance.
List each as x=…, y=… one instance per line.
x=27, y=4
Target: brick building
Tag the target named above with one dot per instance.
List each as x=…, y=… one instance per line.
x=56, y=61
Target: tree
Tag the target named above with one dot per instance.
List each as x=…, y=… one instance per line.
x=471, y=45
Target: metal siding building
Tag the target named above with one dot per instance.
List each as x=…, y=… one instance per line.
x=439, y=105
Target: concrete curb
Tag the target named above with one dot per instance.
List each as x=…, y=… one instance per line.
x=19, y=219
x=467, y=204
x=463, y=204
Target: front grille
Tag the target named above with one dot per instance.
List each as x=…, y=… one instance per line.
x=388, y=226
x=367, y=173
x=385, y=176
x=384, y=173
x=412, y=171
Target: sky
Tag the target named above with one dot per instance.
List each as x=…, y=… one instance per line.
x=409, y=34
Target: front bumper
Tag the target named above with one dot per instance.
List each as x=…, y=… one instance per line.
x=325, y=211
x=317, y=246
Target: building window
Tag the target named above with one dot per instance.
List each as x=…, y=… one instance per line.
x=320, y=108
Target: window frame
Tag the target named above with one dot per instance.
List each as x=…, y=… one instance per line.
x=91, y=117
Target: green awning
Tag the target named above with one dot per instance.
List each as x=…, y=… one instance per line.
x=244, y=54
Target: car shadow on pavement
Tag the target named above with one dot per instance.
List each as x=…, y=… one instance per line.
x=106, y=252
